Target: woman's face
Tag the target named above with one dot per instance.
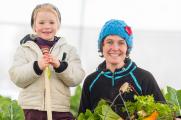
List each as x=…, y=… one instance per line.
x=114, y=50
x=46, y=25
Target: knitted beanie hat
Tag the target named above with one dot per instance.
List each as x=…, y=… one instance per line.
x=116, y=27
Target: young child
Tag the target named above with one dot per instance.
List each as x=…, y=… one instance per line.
x=37, y=52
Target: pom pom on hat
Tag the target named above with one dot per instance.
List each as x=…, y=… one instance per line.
x=116, y=27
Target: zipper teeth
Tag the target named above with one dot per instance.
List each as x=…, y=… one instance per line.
x=44, y=93
x=51, y=49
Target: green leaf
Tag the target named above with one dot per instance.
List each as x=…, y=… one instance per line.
x=109, y=113
x=173, y=96
x=75, y=101
x=10, y=110
x=145, y=106
x=101, y=111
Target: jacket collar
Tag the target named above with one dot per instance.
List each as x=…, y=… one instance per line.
x=29, y=41
x=31, y=38
x=127, y=68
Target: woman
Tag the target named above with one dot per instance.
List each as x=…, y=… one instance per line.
x=115, y=43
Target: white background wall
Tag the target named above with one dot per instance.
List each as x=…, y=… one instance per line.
x=155, y=23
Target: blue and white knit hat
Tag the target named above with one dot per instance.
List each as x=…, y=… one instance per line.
x=116, y=27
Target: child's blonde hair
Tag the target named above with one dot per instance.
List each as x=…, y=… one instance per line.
x=45, y=7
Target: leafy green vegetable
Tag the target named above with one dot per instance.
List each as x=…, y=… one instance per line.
x=102, y=112
x=144, y=106
x=173, y=97
x=141, y=108
x=88, y=115
x=75, y=101
x=105, y=111
x=10, y=110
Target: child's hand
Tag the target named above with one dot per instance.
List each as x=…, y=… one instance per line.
x=54, y=61
x=44, y=61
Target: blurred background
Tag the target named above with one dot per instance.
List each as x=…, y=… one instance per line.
x=155, y=23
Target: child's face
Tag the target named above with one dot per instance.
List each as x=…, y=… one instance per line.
x=46, y=25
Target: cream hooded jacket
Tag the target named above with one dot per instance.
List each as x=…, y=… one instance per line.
x=32, y=95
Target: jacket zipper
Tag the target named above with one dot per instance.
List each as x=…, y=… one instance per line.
x=113, y=80
x=44, y=83
x=44, y=99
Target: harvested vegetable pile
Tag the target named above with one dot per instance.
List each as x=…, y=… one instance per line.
x=144, y=108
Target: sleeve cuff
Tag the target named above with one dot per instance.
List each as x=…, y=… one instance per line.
x=36, y=68
x=62, y=67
